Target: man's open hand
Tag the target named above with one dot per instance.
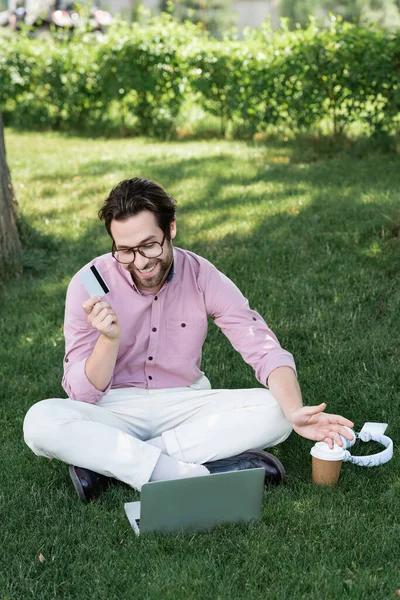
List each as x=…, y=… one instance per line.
x=312, y=423
x=101, y=316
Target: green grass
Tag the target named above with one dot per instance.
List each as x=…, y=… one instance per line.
x=315, y=248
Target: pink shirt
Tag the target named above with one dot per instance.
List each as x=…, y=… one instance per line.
x=163, y=334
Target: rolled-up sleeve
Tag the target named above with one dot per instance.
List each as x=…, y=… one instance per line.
x=245, y=328
x=80, y=339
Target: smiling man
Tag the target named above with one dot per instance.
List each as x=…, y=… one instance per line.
x=139, y=408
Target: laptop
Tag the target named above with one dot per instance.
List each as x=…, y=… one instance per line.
x=197, y=502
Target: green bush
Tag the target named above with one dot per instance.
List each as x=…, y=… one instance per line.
x=221, y=75
x=50, y=83
x=141, y=67
x=344, y=73
x=296, y=80
x=72, y=82
x=138, y=77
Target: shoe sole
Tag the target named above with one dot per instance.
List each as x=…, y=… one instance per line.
x=277, y=463
x=77, y=484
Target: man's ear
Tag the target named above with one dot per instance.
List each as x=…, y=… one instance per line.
x=173, y=230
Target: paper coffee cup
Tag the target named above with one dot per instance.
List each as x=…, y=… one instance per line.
x=326, y=463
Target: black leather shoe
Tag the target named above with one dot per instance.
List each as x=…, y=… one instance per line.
x=88, y=484
x=274, y=469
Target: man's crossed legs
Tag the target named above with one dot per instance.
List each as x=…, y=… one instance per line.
x=126, y=432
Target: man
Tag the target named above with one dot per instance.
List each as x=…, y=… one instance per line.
x=139, y=407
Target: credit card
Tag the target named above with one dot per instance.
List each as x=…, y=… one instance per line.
x=94, y=282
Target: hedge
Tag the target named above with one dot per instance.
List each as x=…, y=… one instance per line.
x=139, y=76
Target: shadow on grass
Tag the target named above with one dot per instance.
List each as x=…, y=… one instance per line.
x=38, y=250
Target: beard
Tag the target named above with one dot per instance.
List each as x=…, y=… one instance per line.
x=163, y=266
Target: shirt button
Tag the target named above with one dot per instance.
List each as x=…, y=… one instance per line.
x=154, y=329
x=183, y=324
x=150, y=377
x=67, y=360
x=150, y=358
x=254, y=319
x=155, y=297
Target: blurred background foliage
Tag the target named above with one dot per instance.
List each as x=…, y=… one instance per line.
x=158, y=77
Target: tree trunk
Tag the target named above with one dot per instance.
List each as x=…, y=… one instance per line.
x=10, y=246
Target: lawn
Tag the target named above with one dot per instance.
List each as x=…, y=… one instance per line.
x=315, y=248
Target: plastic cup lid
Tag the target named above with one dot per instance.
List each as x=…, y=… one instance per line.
x=323, y=452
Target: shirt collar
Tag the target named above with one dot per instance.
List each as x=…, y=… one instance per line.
x=171, y=272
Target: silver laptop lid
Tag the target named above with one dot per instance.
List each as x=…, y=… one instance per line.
x=201, y=502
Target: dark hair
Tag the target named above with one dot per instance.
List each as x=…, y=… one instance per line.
x=131, y=196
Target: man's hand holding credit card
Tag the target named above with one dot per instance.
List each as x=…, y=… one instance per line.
x=100, y=314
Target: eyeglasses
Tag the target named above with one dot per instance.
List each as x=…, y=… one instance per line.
x=128, y=255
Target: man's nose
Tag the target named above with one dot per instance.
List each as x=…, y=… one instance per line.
x=140, y=261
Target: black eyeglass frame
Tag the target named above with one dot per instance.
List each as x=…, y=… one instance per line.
x=137, y=249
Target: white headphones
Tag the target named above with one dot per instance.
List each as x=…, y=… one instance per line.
x=370, y=431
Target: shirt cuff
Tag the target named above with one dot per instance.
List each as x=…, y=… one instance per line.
x=79, y=388
x=283, y=359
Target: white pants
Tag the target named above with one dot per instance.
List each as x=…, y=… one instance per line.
x=197, y=424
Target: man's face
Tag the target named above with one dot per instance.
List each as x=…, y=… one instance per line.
x=136, y=231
